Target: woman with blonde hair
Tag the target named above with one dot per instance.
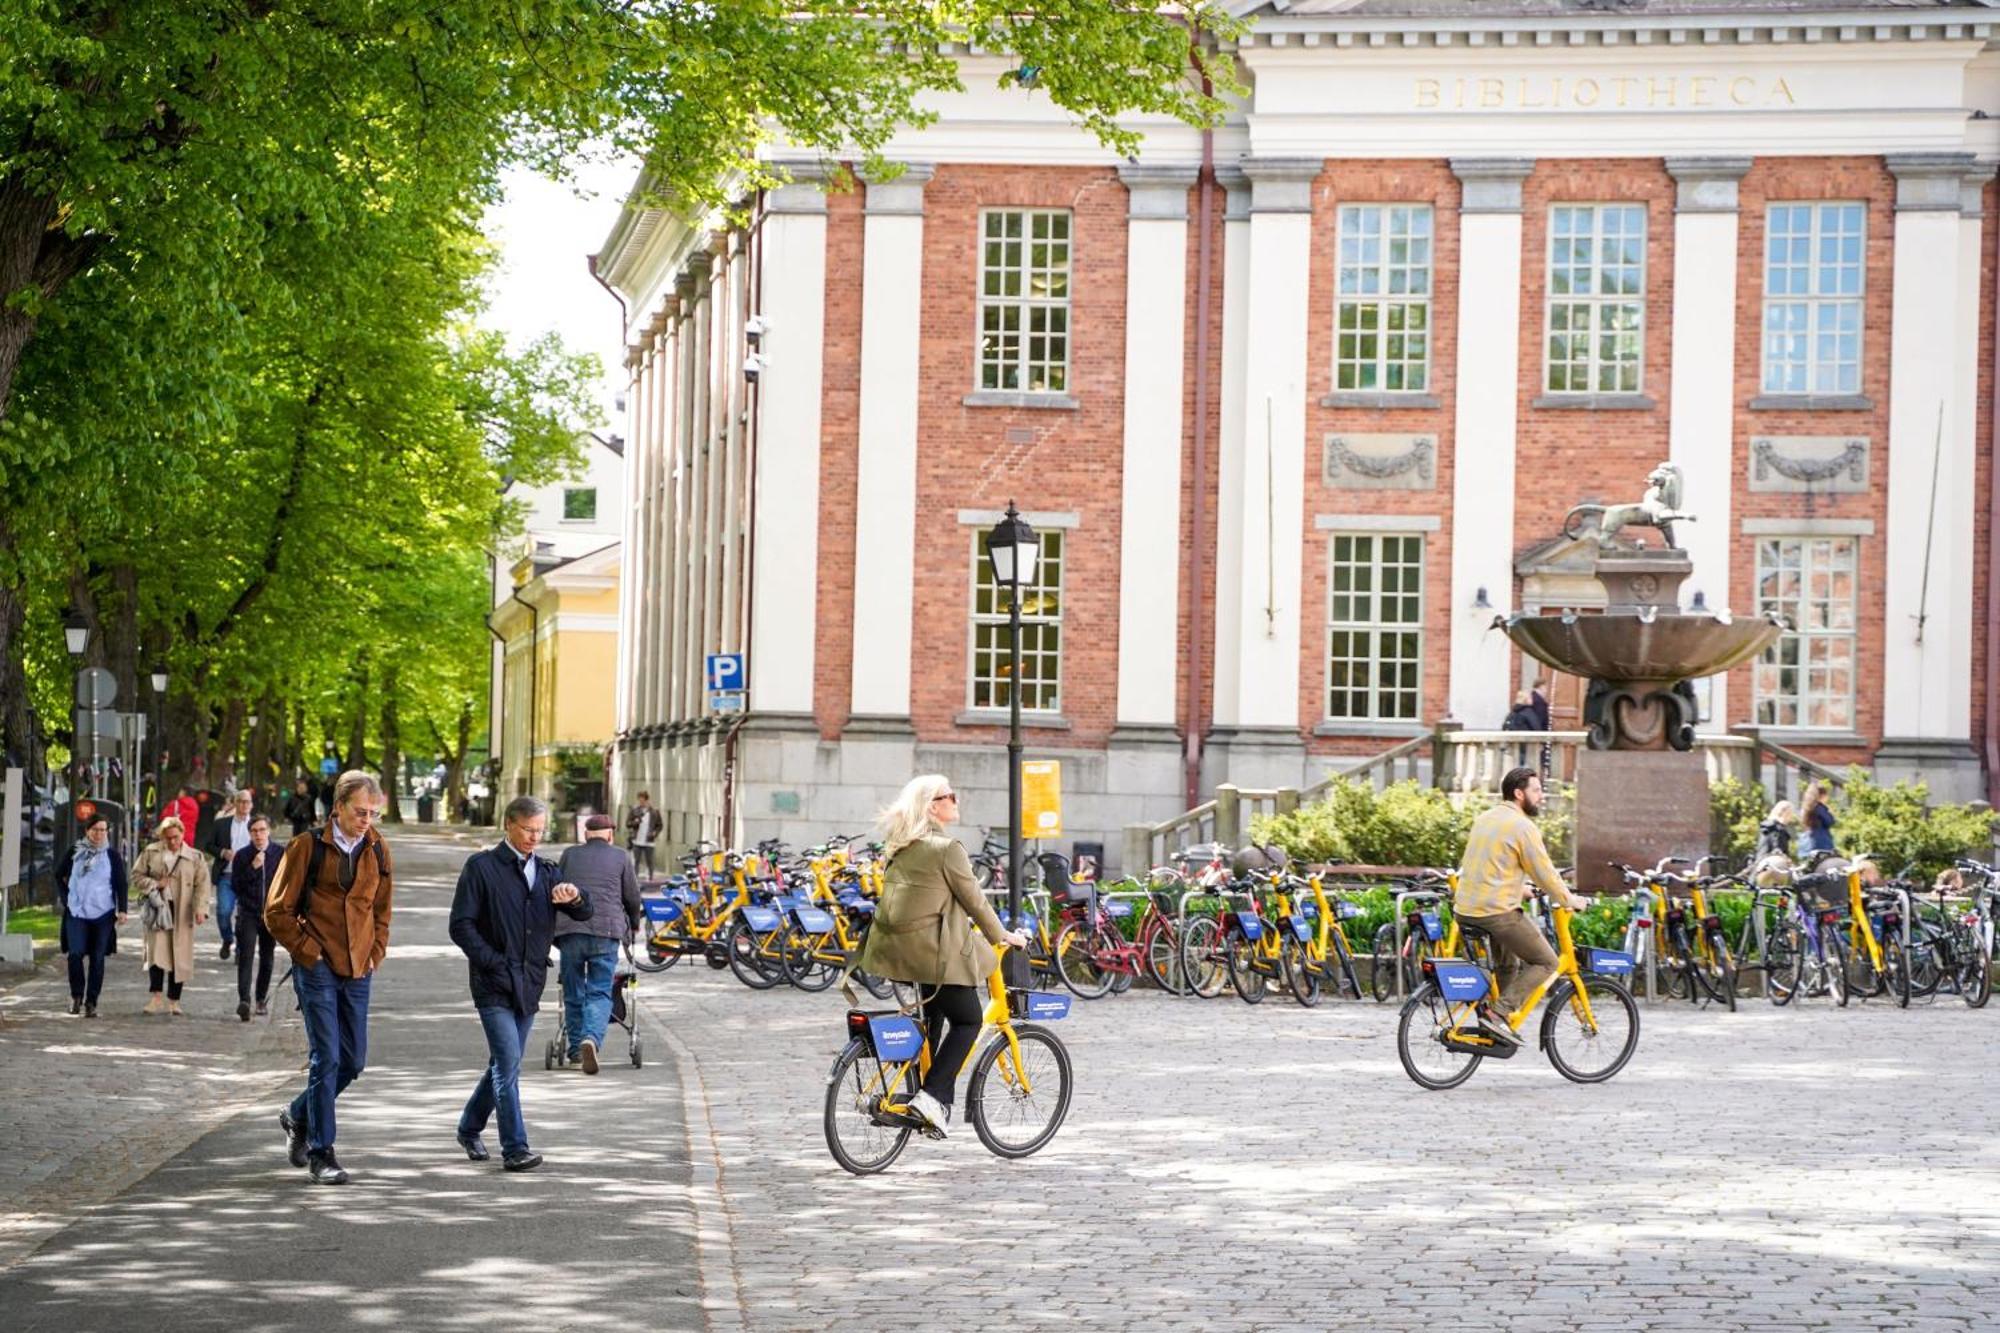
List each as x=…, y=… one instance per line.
x=173, y=877
x=1817, y=816
x=923, y=931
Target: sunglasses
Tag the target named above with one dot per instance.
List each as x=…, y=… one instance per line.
x=945, y=796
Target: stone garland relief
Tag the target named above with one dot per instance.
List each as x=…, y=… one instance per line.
x=1827, y=464
x=1381, y=462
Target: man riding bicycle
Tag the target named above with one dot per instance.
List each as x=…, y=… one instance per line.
x=1503, y=854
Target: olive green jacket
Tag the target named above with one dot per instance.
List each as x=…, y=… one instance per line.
x=923, y=925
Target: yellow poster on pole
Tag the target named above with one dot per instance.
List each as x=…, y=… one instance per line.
x=1041, y=798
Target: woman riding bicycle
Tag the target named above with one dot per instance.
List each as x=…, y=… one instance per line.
x=923, y=934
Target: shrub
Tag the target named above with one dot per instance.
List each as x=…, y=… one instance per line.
x=1405, y=824
x=1901, y=829
x=1735, y=809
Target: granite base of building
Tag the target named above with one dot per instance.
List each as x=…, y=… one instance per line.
x=1951, y=769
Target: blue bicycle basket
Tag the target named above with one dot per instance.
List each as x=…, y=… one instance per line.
x=661, y=911
x=1251, y=926
x=1047, y=1005
x=1300, y=930
x=895, y=1036
x=761, y=919
x=1461, y=981
x=1608, y=962
x=1433, y=928
x=814, y=920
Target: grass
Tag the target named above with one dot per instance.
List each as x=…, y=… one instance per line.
x=41, y=922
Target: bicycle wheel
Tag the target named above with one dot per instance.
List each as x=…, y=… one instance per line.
x=1243, y=973
x=656, y=953
x=1162, y=951
x=1863, y=978
x=1350, y=983
x=1593, y=1052
x=804, y=964
x=1716, y=970
x=859, y=1140
x=1896, y=969
x=1783, y=963
x=1933, y=953
x=1833, y=963
x=1975, y=979
x=1425, y=1018
x=1076, y=962
x=1016, y=1108
x=1381, y=964
x=745, y=954
x=1204, y=964
x=1300, y=976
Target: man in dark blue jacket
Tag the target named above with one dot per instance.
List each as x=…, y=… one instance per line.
x=503, y=918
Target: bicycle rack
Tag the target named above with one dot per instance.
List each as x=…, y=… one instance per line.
x=1396, y=958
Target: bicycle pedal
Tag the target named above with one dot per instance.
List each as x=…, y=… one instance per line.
x=1473, y=1042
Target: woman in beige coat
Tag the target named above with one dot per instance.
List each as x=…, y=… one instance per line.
x=181, y=874
x=923, y=931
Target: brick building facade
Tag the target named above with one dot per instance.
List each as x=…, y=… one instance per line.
x=1459, y=268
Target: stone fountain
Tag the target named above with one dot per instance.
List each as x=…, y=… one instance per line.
x=1641, y=790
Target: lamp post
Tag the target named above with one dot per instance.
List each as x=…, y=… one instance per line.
x=76, y=637
x=1012, y=549
x=158, y=680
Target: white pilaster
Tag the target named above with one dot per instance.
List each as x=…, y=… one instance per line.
x=632, y=555
x=1489, y=367
x=1701, y=414
x=1267, y=517
x=885, y=511
x=1229, y=445
x=1149, y=551
x=785, y=561
x=1927, y=677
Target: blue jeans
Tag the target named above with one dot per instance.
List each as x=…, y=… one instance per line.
x=225, y=909
x=500, y=1086
x=336, y=1013
x=588, y=962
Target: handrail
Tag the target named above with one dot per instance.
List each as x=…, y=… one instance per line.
x=1832, y=777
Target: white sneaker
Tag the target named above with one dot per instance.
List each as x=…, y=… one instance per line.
x=933, y=1111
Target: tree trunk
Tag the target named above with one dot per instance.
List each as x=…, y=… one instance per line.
x=454, y=779
x=357, y=723
x=222, y=757
x=392, y=748
x=19, y=733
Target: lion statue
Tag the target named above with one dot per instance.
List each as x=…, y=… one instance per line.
x=1661, y=508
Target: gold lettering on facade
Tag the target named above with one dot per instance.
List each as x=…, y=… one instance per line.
x=1779, y=88
x=1537, y=92
x=1492, y=93
x=1654, y=89
x=1586, y=92
x=1427, y=93
x=1624, y=84
x=1740, y=89
x=1523, y=99
x=1703, y=85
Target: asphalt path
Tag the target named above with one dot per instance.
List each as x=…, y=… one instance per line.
x=226, y=1234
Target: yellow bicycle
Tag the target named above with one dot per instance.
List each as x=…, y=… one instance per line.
x=1015, y=1100
x=1590, y=1029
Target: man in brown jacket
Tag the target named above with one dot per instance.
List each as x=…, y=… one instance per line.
x=329, y=908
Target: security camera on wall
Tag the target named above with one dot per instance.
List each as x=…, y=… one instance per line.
x=753, y=366
x=754, y=329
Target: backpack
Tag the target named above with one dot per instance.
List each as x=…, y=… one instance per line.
x=318, y=859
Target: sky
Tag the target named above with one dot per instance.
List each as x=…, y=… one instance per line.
x=545, y=232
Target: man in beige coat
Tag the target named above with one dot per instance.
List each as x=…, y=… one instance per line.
x=180, y=873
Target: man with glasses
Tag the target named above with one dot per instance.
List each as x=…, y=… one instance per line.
x=329, y=907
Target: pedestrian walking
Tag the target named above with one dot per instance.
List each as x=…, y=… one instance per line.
x=254, y=871
x=184, y=808
x=589, y=949
x=301, y=807
x=1521, y=717
x=228, y=835
x=923, y=931
x=330, y=907
x=174, y=878
x=1538, y=695
x=503, y=916
x=1817, y=817
x=95, y=899
x=643, y=825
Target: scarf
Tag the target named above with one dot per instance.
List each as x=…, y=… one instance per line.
x=84, y=853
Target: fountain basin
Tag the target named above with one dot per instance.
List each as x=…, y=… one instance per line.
x=1637, y=650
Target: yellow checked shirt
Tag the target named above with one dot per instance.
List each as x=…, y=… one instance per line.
x=1503, y=852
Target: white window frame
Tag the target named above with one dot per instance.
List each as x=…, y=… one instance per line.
x=1596, y=303
x=1027, y=309
x=1831, y=311
x=1815, y=551
x=1351, y=278
x=1033, y=625
x=572, y=490
x=1374, y=626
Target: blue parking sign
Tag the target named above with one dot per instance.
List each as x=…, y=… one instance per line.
x=725, y=672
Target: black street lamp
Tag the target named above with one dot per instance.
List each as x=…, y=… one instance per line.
x=1012, y=548
x=76, y=637
x=158, y=680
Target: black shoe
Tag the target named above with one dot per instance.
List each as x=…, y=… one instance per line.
x=475, y=1147
x=521, y=1161
x=243, y=1010
x=225, y=948
x=295, y=1138
x=324, y=1169
x=75, y=1004
x=90, y=1011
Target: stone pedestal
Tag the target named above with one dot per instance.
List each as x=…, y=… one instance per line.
x=1637, y=806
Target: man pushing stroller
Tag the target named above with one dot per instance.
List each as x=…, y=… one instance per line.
x=589, y=949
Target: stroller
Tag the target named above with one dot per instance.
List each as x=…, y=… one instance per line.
x=624, y=1014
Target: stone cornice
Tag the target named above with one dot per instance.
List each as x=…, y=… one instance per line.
x=1158, y=191
x=1282, y=184
x=900, y=196
x=1706, y=184
x=1491, y=184
x=1580, y=28
x=1929, y=182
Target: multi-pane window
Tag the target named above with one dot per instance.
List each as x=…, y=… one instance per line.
x=1024, y=300
x=580, y=504
x=1597, y=297
x=1375, y=619
x=1041, y=631
x=1812, y=298
x=1806, y=678
x=1383, y=313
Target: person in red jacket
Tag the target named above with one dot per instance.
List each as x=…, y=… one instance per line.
x=183, y=808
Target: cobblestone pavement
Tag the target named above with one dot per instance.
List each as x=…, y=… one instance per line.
x=1225, y=1167
x=166, y=1218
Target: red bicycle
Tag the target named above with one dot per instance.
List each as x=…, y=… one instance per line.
x=1093, y=956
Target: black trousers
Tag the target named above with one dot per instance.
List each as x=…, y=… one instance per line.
x=249, y=929
x=89, y=942
x=954, y=1013
x=642, y=858
x=156, y=975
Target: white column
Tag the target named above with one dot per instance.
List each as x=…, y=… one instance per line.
x=1266, y=519
x=1229, y=444
x=1927, y=681
x=632, y=591
x=1149, y=543
x=786, y=559
x=885, y=510
x=1701, y=414
x=1489, y=368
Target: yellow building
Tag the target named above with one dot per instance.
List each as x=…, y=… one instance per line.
x=556, y=697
